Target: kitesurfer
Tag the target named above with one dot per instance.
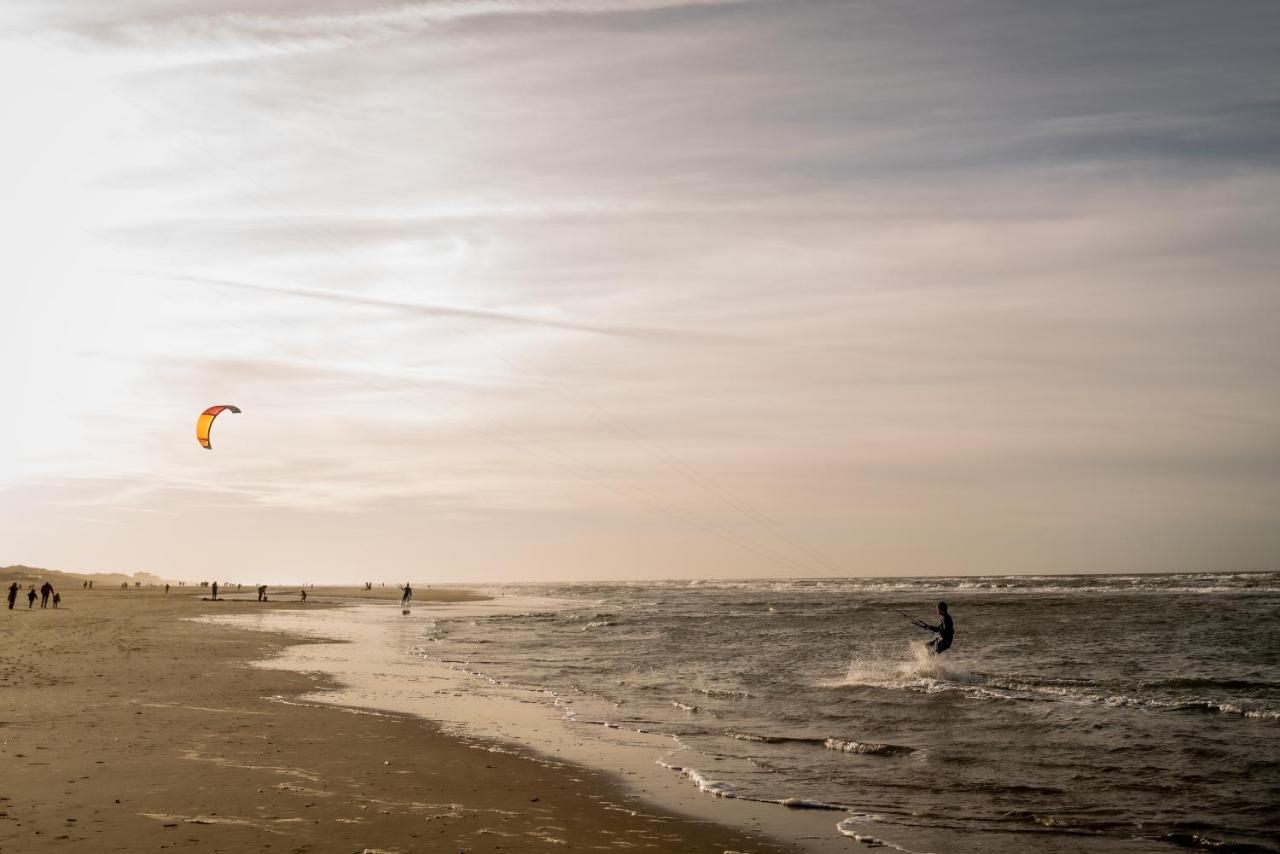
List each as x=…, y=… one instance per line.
x=945, y=631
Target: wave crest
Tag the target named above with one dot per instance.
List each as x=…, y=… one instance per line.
x=866, y=747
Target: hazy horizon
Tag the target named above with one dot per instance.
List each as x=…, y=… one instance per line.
x=396, y=582
x=515, y=290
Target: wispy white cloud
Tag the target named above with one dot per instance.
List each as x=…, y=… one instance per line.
x=239, y=36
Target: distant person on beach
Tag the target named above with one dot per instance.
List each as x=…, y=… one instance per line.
x=304, y=595
x=57, y=597
x=31, y=596
x=408, y=594
x=46, y=590
x=945, y=631
x=13, y=594
x=166, y=590
x=262, y=592
x=215, y=590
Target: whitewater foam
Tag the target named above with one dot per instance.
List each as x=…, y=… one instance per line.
x=866, y=747
x=920, y=670
x=930, y=674
x=849, y=827
x=719, y=788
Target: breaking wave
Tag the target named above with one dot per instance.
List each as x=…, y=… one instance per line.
x=867, y=748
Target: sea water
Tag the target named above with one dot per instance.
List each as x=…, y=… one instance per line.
x=1076, y=713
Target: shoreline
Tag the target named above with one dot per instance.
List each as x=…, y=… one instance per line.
x=128, y=726
x=369, y=654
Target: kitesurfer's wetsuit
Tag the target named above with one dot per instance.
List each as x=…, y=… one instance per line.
x=946, y=631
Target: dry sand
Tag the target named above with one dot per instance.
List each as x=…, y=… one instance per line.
x=124, y=727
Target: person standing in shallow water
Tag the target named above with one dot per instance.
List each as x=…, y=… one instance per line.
x=408, y=594
x=945, y=631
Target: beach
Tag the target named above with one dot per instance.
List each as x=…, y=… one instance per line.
x=126, y=725
x=757, y=716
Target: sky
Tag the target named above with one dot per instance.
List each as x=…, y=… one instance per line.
x=598, y=289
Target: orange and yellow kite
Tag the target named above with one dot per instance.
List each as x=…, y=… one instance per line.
x=205, y=422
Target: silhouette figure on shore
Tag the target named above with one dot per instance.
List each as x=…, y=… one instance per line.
x=304, y=595
x=408, y=594
x=46, y=590
x=13, y=594
x=215, y=590
x=166, y=590
x=262, y=592
x=57, y=597
x=31, y=596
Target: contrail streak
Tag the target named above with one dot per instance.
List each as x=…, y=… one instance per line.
x=484, y=315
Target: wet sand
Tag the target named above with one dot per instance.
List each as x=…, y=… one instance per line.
x=124, y=727
x=375, y=653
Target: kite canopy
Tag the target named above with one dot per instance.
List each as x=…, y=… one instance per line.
x=205, y=422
